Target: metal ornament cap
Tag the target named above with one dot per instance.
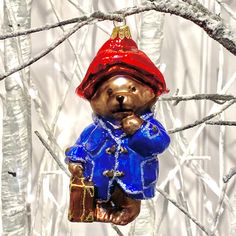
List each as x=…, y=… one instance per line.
x=120, y=55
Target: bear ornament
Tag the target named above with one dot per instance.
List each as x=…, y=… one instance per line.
x=114, y=162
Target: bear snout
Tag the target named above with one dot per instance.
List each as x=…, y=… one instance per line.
x=120, y=99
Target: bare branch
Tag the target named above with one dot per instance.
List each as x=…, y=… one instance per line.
x=225, y=123
x=69, y=41
x=52, y=153
x=44, y=52
x=217, y=98
x=117, y=230
x=227, y=9
x=226, y=179
x=231, y=173
x=219, y=207
x=206, y=118
x=85, y=13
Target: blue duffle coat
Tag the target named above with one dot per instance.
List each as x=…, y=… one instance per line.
x=111, y=157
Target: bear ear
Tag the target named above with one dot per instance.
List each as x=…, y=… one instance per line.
x=120, y=55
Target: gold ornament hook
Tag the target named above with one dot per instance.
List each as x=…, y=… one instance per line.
x=120, y=24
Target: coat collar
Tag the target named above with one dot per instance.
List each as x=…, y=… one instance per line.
x=114, y=125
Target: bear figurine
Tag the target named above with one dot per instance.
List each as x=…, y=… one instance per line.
x=114, y=161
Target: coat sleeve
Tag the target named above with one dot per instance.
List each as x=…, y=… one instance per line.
x=150, y=139
x=77, y=153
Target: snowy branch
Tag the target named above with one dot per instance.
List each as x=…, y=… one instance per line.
x=227, y=9
x=54, y=156
x=43, y=53
x=221, y=122
x=115, y=227
x=219, y=207
x=219, y=211
x=231, y=173
x=203, y=120
x=96, y=16
x=197, y=13
x=217, y=98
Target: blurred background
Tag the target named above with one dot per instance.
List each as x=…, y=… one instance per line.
x=191, y=170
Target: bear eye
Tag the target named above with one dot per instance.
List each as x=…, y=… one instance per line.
x=109, y=91
x=133, y=89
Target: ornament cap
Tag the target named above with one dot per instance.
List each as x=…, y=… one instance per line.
x=121, y=32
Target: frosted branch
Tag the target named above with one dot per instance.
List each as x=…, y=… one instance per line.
x=44, y=52
x=96, y=16
x=227, y=9
x=117, y=230
x=203, y=120
x=85, y=13
x=231, y=173
x=197, y=13
x=217, y=98
x=54, y=156
x=219, y=207
x=225, y=123
x=68, y=40
x=226, y=179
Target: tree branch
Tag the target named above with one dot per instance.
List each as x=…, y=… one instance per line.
x=87, y=19
x=227, y=8
x=217, y=98
x=44, y=52
x=211, y=23
x=54, y=156
x=225, y=123
x=219, y=208
x=231, y=173
x=219, y=211
x=206, y=118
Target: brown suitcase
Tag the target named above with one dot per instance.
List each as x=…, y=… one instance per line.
x=82, y=203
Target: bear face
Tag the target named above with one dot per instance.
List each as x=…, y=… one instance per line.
x=121, y=96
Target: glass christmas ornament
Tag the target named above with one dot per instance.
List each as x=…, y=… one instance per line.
x=114, y=162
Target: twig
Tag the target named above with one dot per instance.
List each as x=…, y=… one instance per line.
x=226, y=8
x=85, y=13
x=192, y=218
x=217, y=98
x=231, y=173
x=76, y=6
x=188, y=149
x=44, y=52
x=117, y=230
x=68, y=40
x=206, y=118
x=219, y=207
x=96, y=15
x=226, y=123
x=52, y=153
x=226, y=179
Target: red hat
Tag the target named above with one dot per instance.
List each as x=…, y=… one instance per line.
x=121, y=56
